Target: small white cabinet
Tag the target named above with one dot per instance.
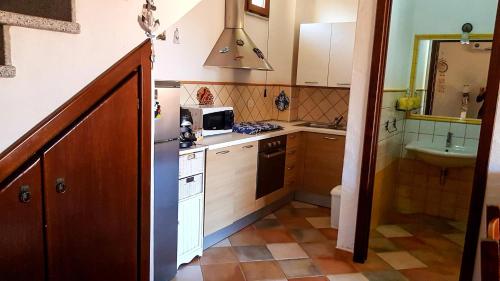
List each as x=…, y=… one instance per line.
x=191, y=206
x=325, y=54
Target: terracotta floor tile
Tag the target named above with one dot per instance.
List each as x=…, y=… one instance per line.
x=222, y=272
x=385, y=276
x=329, y=233
x=271, y=216
x=295, y=223
x=442, y=244
x=268, y=224
x=373, y=263
x=319, y=250
x=433, y=258
x=427, y=275
x=308, y=235
x=264, y=270
x=382, y=245
x=457, y=238
x=299, y=268
x=252, y=253
x=247, y=237
x=321, y=278
x=218, y=256
x=223, y=243
x=393, y=231
x=287, y=251
x=334, y=266
x=189, y=273
x=301, y=205
x=410, y=243
x=275, y=235
x=401, y=260
x=319, y=222
x=347, y=277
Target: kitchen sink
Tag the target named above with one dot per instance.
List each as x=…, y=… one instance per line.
x=323, y=126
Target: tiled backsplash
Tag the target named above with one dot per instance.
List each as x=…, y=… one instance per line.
x=437, y=132
x=250, y=104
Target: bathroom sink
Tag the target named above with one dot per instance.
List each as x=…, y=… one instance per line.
x=455, y=156
x=322, y=126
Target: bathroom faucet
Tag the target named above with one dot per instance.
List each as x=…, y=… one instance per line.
x=449, y=139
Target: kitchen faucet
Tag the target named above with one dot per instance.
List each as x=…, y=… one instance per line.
x=449, y=138
x=336, y=122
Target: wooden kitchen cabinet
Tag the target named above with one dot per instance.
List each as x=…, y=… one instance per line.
x=21, y=227
x=293, y=161
x=245, y=180
x=230, y=185
x=326, y=54
x=323, y=163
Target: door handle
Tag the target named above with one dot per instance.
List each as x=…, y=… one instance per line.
x=60, y=186
x=343, y=84
x=275, y=154
x=25, y=194
x=330, y=138
x=222, y=152
x=248, y=147
x=311, y=82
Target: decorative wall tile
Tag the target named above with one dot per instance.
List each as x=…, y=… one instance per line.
x=322, y=104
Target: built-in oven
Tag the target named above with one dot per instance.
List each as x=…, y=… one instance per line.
x=271, y=165
x=212, y=120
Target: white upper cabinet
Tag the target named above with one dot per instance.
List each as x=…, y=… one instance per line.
x=341, y=54
x=314, y=51
x=325, y=54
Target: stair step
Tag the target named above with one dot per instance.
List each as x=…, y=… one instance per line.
x=15, y=19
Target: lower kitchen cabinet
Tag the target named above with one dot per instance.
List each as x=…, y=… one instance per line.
x=21, y=224
x=191, y=207
x=230, y=185
x=323, y=163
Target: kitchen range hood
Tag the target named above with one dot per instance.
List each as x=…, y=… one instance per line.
x=235, y=49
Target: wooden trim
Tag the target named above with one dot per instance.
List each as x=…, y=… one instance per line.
x=375, y=94
x=48, y=130
x=254, y=9
x=483, y=159
x=431, y=83
x=373, y=112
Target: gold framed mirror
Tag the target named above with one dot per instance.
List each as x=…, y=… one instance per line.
x=447, y=90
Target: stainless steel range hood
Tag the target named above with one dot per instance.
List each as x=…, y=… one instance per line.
x=235, y=49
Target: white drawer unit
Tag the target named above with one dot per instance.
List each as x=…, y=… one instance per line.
x=190, y=186
x=191, y=207
x=191, y=164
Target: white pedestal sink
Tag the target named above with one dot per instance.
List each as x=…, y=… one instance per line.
x=445, y=157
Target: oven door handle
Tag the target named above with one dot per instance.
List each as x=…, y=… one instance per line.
x=274, y=154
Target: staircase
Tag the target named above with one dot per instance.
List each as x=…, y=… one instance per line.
x=41, y=14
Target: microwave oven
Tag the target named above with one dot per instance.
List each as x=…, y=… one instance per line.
x=212, y=120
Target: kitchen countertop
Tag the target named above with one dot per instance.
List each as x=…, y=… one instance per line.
x=226, y=140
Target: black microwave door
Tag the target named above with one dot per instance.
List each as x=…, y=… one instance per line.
x=214, y=121
x=222, y=120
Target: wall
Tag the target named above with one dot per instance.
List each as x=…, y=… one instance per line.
x=52, y=66
x=323, y=104
x=199, y=31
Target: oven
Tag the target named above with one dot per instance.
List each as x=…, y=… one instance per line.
x=271, y=165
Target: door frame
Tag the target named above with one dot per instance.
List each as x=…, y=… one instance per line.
x=368, y=168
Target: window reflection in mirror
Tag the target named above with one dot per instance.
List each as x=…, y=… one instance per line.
x=260, y=3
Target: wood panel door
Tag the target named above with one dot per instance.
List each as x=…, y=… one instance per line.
x=323, y=163
x=21, y=227
x=92, y=187
x=245, y=181
x=219, y=189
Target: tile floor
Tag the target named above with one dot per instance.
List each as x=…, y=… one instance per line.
x=297, y=244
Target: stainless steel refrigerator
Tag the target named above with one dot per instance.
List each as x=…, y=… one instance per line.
x=166, y=179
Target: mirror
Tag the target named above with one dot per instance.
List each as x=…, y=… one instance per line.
x=450, y=77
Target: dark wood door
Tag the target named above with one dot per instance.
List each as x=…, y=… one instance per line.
x=92, y=193
x=21, y=227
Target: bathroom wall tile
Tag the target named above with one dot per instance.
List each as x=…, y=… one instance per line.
x=458, y=129
x=472, y=142
x=441, y=128
x=412, y=126
x=440, y=140
x=427, y=127
x=457, y=141
x=425, y=138
x=472, y=131
x=410, y=137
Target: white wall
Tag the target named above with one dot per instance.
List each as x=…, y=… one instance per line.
x=356, y=125
x=52, y=67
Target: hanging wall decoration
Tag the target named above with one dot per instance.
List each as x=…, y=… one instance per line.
x=204, y=96
x=150, y=25
x=282, y=101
